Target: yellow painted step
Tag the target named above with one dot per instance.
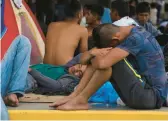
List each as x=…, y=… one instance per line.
x=87, y=115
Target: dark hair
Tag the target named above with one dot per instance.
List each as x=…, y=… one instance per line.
x=143, y=7
x=132, y=12
x=72, y=8
x=136, y=2
x=98, y=10
x=87, y=6
x=121, y=7
x=62, y=2
x=153, y=5
x=102, y=35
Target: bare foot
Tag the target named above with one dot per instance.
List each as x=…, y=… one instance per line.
x=11, y=100
x=61, y=101
x=77, y=103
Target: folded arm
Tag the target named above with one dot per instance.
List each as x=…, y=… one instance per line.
x=114, y=56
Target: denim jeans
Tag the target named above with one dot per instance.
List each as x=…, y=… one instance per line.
x=14, y=68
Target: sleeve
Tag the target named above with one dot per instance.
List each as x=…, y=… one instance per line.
x=133, y=44
x=74, y=61
x=155, y=32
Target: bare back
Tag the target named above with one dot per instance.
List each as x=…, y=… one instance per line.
x=62, y=40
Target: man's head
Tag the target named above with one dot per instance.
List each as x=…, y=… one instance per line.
x=143, y=12
x=86, y=9
x=94, y=14
x=106, y=35
x=73, y=10
x=77, y=70
x=110, y=35
x=119, y=9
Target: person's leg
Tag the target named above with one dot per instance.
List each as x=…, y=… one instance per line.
x=83, y=82
x=80, y=102
x=14, y=67
x=4, y=112
x=133, y=92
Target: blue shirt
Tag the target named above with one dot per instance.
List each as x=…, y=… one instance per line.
x=150, y=28
x=106, y=18
x=148, y=57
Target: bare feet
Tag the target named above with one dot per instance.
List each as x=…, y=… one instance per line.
x=11, y=100
x=78, y=103
x=61, y=101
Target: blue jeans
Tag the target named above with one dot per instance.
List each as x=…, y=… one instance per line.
x=14, y=68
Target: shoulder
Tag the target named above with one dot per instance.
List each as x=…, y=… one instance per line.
x=137, y=33
x=149, y=24
x=83, y=30
x=135, y=38
x=52, y=25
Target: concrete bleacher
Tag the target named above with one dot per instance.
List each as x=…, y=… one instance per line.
x=37, y=108
x=41, y=111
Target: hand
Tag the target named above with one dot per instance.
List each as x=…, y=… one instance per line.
x=100, y=52
x=29, y=69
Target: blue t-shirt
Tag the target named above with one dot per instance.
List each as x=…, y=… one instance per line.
x=148, y=57
x=106, y=18
x=150, y=28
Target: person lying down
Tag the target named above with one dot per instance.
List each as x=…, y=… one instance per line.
x=61, y=80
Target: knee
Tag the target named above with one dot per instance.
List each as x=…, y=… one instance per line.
x=25, y=42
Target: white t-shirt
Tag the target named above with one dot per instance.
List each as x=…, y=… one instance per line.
x=153, y=15
x=125, y=21
x=83, y=22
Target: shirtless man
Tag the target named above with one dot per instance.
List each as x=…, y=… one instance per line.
x=64, y=37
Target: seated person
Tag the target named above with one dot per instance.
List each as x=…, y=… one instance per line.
x=14, y=68
x=64, y=37
x=93, y=19
x=132, y=7
x=119, y=9
x=145, y=91
x=105, y=18
x=142, y=17
x=86, y=9
x=120, y=12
